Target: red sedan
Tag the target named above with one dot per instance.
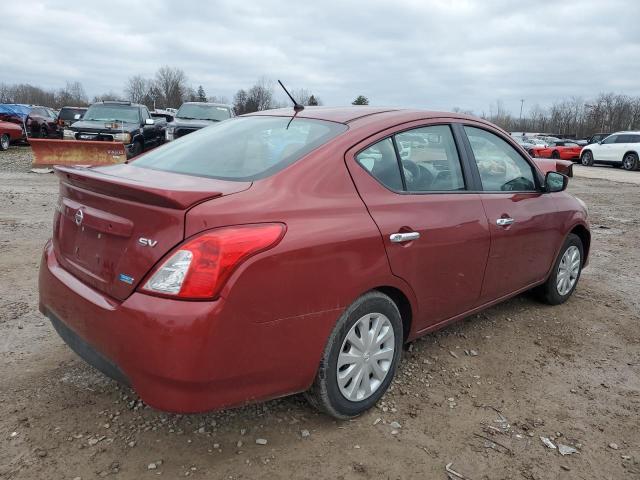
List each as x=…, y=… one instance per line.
x=272, y=254
x=9, y=132
x=562, y=149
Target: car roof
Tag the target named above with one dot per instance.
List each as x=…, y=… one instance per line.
x=352, y=114
x=626, y=132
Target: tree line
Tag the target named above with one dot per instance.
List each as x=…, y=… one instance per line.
x=169, y=87
x=571, y=117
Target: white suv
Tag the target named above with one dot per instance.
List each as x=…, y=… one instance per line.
x=621, y=149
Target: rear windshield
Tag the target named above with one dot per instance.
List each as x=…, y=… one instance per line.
x=113, y=113
x=243, y=148
x=70, y=113
x=194, y=111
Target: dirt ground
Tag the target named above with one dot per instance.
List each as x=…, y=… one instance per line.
x=570, y=373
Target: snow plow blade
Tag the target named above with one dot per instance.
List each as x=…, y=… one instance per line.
x=48, y=152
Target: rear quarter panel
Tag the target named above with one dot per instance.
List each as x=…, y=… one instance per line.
x=332, y=251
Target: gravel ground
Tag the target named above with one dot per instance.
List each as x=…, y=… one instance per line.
x=479, y=394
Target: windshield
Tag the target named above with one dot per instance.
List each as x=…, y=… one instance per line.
x=70, y=113
x=242, y=149
x=193, y=111
x=112, y=113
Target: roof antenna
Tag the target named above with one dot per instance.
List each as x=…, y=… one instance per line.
x=296, y=106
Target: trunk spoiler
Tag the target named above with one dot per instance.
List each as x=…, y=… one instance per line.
x=163, y=189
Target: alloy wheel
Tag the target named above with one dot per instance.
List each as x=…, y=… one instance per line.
x=586, y=159
x=568, y=270
x=629, y=162
x=365, y=357
x=4, y=142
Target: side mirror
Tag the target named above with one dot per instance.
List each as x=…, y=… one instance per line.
x=76, y=116
x=555, y=182
x=149, y=121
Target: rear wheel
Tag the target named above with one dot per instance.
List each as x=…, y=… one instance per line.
x=566, y=272
x=630, y=161
x=4, y=141
x=587, y=159
x=360, y=358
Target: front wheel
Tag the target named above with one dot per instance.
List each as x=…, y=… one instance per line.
x=555, y=154
x=630, y=162
x=566, y=272
x=587, y=159
x=360, y=358
x=4, y=141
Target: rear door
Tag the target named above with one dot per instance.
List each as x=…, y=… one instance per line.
x=433, y=226
x=525, y=234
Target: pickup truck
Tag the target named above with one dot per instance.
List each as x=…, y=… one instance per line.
x=125, y=122
x=192, y=116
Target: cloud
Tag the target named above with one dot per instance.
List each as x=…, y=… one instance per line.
x=431, y=54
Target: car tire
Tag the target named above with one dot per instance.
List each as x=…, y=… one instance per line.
x=555, y=154
x=354, y=395
x=565, y=274
x=587, y=158
x=4, y=141
x=43, y=133
x=630, y=162
x=137, y=149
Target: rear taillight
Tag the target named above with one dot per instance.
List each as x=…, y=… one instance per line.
x=200, y=267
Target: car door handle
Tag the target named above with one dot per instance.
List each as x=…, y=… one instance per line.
x=404, y=237
x=503, y=222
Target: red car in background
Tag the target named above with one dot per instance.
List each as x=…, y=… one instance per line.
x=42, y=122
x=561, y=149
x=275, y=253
x=9, y=133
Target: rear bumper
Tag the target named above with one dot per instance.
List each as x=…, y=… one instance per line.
x=183, y=356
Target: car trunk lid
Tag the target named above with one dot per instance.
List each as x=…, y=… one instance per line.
x=114, y=223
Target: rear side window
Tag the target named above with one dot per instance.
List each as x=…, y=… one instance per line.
x=634, y=139
x=430, y=159
x=380, y=161
x=500, y=166
x=428, y=156
x=242, y=149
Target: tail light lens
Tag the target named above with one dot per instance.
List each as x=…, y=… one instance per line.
x=199, y=268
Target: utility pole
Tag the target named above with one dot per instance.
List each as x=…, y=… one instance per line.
x=521, y=105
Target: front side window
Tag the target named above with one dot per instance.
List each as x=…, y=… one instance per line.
x=610, y=139
x=501, y=167
x=430, y=161
x=242, y=149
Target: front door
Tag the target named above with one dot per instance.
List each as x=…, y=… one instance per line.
x=434, y=229
x=522, y=220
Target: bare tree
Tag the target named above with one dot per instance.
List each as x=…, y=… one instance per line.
x=137, y=89
x=172, y=85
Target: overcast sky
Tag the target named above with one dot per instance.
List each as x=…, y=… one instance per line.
x=428, y=54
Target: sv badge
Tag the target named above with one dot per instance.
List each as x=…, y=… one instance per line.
x=147, y=242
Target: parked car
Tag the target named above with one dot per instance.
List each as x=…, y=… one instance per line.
x=559, y=149
x=124, y=122
x=192, y=116
x=272, y=254
x=621, y=149
x=69, y=115
x=14, y=113
x=9, y=133
x=42, y=122
x=598, y=137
